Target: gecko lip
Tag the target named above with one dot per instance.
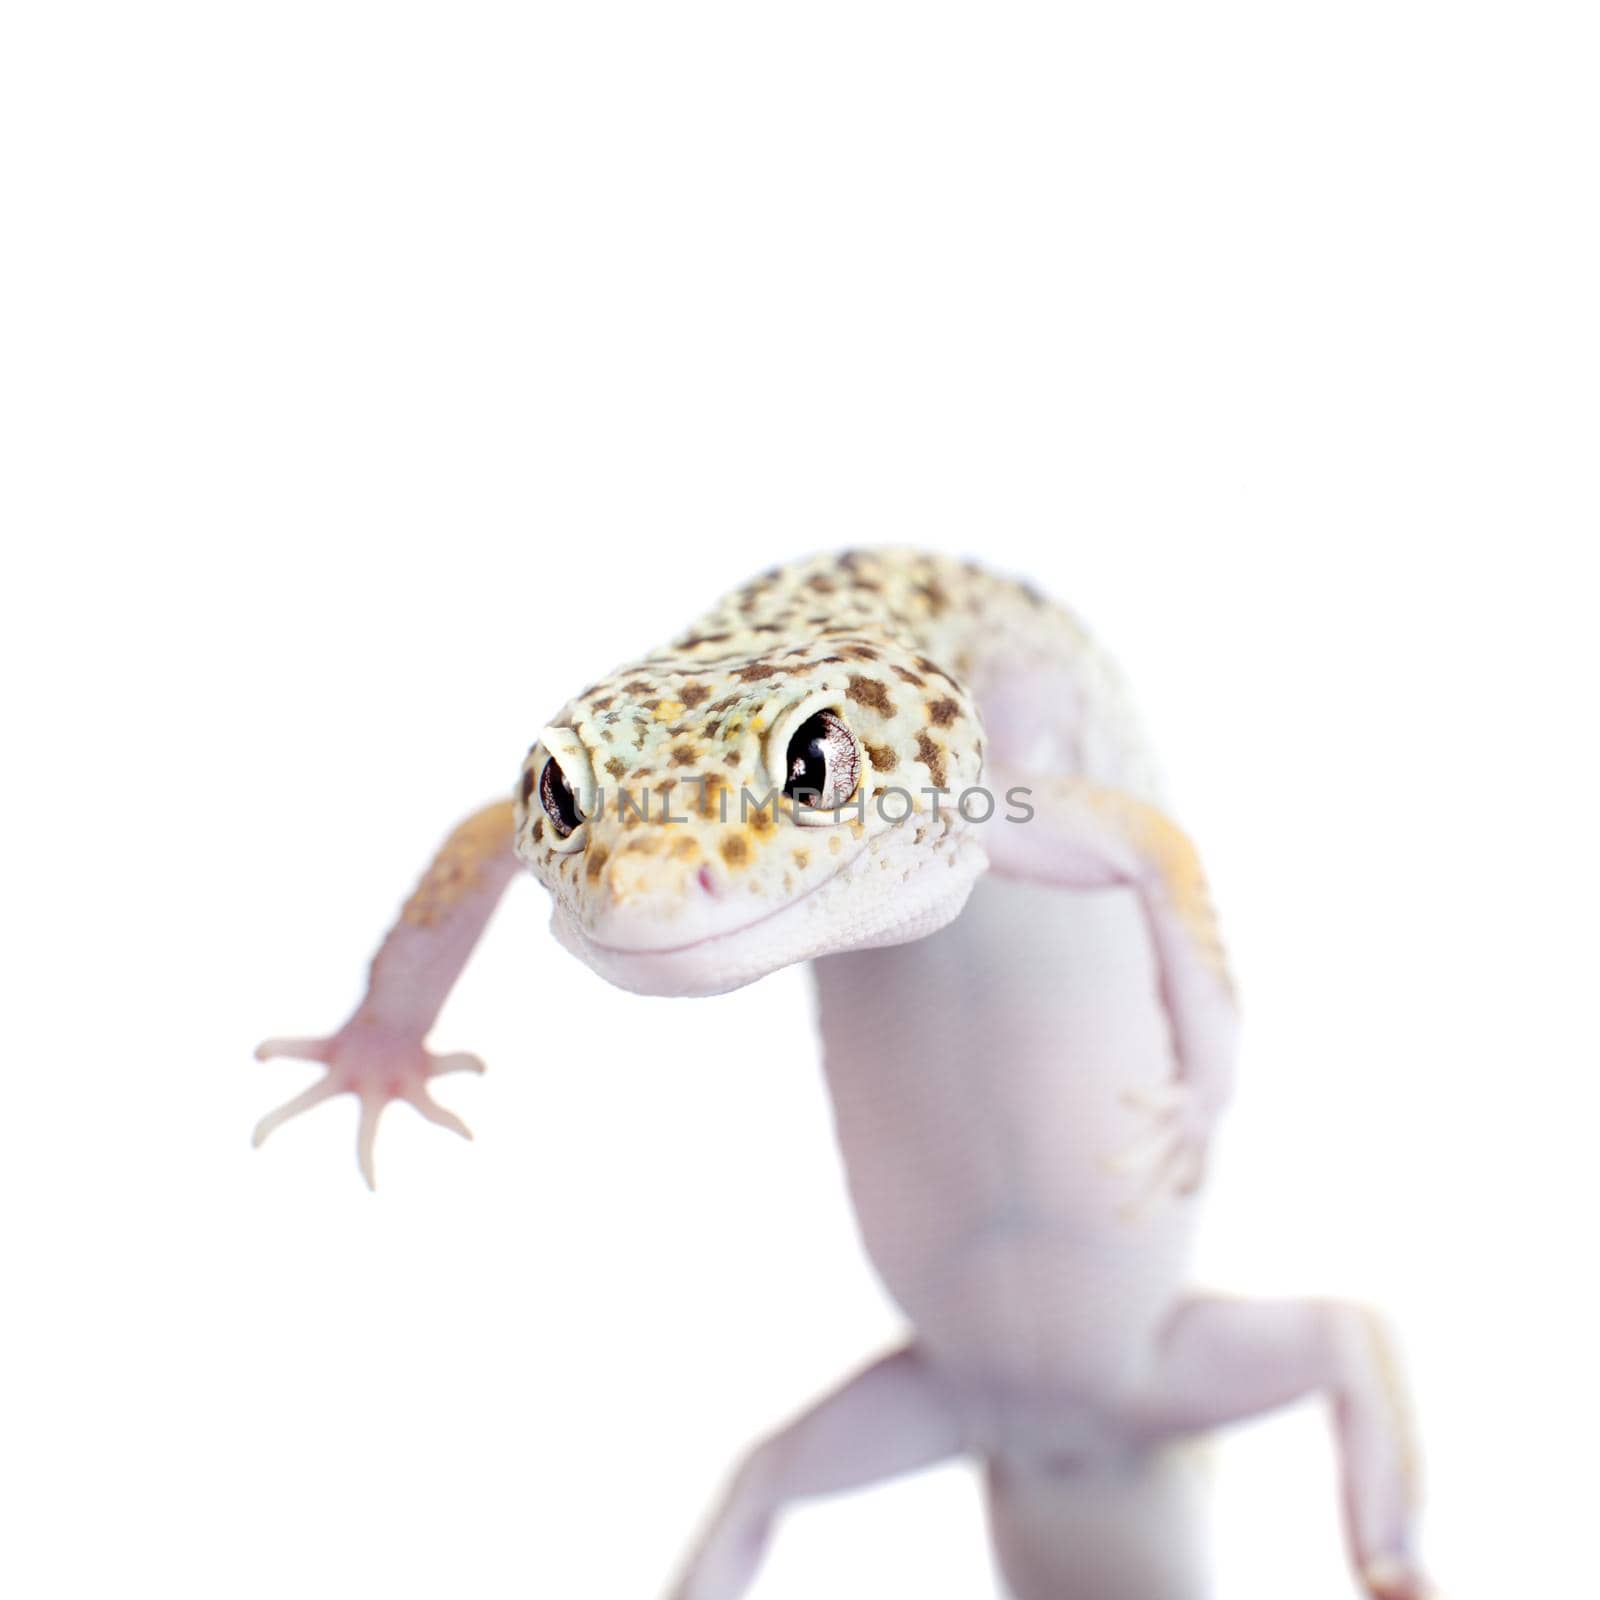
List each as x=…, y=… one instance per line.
x=812, y=924
x=712, y=935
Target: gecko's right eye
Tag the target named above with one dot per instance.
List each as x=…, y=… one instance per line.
x=823, y=763
x=560, y=804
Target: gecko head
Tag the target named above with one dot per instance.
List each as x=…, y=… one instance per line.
x=714, y=812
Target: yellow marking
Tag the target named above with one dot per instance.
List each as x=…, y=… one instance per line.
x=670, y=710
x=458, y=868
x=1161, y=842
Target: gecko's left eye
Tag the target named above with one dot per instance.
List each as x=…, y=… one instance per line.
x=822, y=763
x=560, y=804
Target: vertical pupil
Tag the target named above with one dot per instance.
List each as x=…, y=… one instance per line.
x=814, y=756
x=811, y=770
x=559, y=804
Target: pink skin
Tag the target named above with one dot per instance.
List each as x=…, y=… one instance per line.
x=1073, y=844
x=378, y=1055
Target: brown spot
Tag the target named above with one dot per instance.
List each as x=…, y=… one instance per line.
x=835, y=844
x=693, y=694
x=684, y=755
x=882, y=757
x=735, y=850
x=943, y=712
x=538, y=829
x=932, y=757
x=638, y=686
x=869, y=692
x=762, y=819
x=933, y=592
x=684, y=848
x=726, y=705
x=731, y=759
x=802, y=859
x=756, y=672
x=616, y=767
x=603, y=705
x=860, y=652
x=711, y=795
x=712, y=728
x=597, y=859
x=821, y=584
x=911, y=678
x=528, y=782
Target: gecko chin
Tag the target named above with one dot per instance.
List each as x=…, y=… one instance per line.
x=847, y=911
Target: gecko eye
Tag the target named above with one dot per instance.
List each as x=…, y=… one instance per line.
x=560, y=804
x=822, y=763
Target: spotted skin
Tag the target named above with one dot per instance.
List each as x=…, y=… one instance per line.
x=694, y=733
x=698, y=710
x=1028, y=1027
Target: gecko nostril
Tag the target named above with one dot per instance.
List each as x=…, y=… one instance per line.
x=706, y=881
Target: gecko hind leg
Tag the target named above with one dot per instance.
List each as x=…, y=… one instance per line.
x=893, y=1417
x=1223, y=1361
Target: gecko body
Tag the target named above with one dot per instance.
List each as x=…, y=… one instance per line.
x=926, y=780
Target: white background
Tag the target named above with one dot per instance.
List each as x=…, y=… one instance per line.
x=376, y=376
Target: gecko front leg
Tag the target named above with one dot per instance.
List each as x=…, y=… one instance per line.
x=379, y=1054
x=1082, y=835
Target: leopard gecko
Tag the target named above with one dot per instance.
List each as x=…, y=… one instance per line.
x=925, y=780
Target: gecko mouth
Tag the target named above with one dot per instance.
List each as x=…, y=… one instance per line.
x=735, y=932
x=827, y=917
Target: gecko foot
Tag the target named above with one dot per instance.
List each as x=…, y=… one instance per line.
x=1169, y=1159
x=1396, y=1579
x=377, y=1066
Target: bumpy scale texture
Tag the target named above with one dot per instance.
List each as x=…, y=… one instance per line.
x=696, y=732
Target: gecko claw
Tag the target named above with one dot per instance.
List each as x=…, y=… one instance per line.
x=299, y=1049
x=460, y=1061
x=378, y=1067
x=323, y=1089
x=424, y=1103
x=1392, y=1578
